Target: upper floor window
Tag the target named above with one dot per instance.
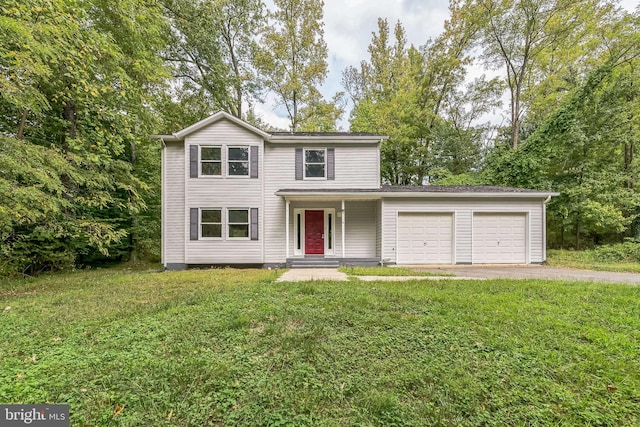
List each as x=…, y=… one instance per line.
x=314, y=163
x=211, y=161
x=238, y=161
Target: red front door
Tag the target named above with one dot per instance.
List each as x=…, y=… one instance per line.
x=314, y=232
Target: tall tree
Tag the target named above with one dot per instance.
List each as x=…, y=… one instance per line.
x=292, y=58
x=586, y=149
x=524, y=35
x=211, y=53
x=415, y=97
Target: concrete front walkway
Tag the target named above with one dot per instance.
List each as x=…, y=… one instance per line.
x=305, y=274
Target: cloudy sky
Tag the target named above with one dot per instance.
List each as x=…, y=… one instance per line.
x=348, y=28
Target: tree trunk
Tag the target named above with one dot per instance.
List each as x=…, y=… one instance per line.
x=133, y=221
x=294, y=119
x=69, y=114
x=23, y=121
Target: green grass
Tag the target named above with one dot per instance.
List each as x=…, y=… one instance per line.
x=225, y=347
x=387, y=271
x=589, y=260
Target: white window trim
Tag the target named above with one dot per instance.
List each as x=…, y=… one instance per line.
x=200, y=236
x=296, y=250
x=227, y=161
x=229, y=223
x=304, y=165
x=301, y=211
x=328, y=251
x=200, y=174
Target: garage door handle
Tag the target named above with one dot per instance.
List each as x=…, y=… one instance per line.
x=498, y=243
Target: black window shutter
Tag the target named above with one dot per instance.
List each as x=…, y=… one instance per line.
x=193, y=161
x=254, y=223
x=299, y=164
x=253, y=173
x=194, y=224
x=331, y=163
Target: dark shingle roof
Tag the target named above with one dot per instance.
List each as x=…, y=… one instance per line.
x=323, y=134
x=454, y=189
x=418, y=189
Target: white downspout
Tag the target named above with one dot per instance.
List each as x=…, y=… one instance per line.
x=162, y=202
x=344, y=251
x=286, y=226
x=544, y=227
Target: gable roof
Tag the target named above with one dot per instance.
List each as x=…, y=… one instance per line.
x=220, y=115
x=274, y=136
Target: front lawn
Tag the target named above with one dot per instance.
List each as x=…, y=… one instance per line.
x=227, y=348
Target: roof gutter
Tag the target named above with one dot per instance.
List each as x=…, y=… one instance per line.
x=324, y=139
x=415, y=194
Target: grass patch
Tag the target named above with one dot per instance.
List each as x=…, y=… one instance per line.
x=590, y=260
x=387, y=271
x=226, y=347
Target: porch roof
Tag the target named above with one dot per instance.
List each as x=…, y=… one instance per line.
x=412, y=191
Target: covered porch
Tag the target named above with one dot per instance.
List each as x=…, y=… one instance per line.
x=331, y=229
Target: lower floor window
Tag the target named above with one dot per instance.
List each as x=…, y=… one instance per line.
x=211, y=223
x=238, y=223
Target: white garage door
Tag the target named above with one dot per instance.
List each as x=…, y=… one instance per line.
x=425, y=238
x=499, y=238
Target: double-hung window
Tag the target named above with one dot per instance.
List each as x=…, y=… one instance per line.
x=224, y=223
x=211, y=223
x=238, y=161
x=238, y=223
x=210, y=161
x=315, y=163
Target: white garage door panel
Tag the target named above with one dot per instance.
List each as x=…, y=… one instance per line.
x=425, y=238
x=499, y=238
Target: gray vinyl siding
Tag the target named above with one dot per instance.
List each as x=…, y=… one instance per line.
x=174, y=210
x=356, y=166
x=463, y=210
x=224, y=193
x=360, y=229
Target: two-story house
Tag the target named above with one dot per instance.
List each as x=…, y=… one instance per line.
x=233, y=194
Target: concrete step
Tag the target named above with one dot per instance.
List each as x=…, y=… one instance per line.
x=313, y=263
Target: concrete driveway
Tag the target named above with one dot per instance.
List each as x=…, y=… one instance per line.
x=531, y=272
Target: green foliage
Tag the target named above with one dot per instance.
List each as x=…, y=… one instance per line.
x=89, y=71
x=227, y=347
x=415, y=98
x=292, y=60
x=211, y=54
x=619, y=257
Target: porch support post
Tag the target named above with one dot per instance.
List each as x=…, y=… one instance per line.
x=344, y=250
x=286, y=226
